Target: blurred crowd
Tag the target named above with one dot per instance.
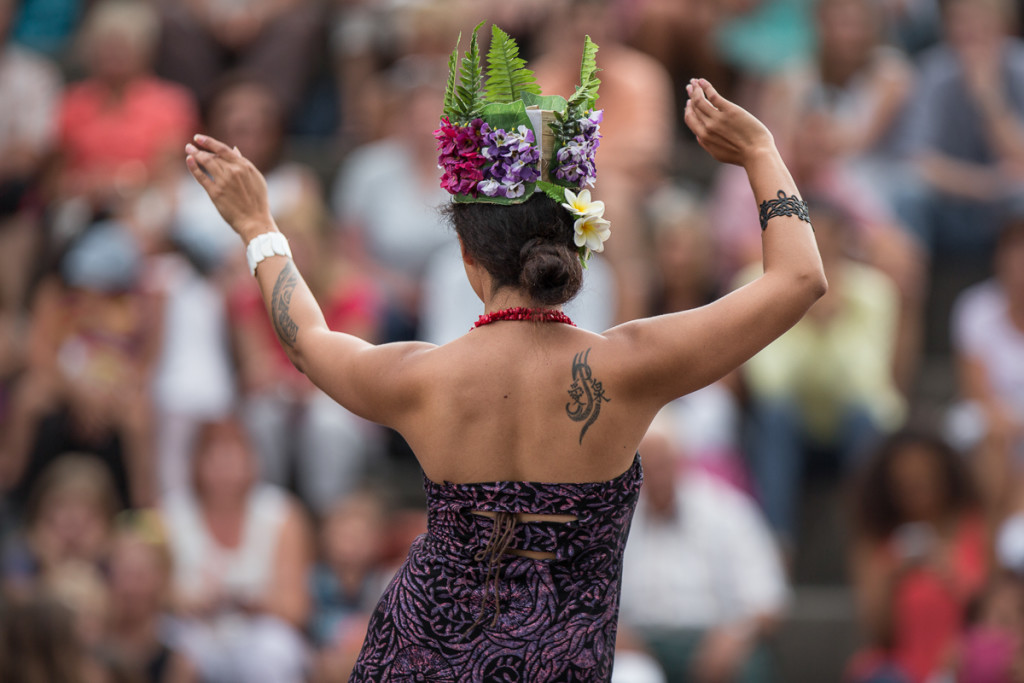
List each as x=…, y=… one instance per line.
x=180, y=504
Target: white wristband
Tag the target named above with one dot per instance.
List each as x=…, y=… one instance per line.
x=266, y=245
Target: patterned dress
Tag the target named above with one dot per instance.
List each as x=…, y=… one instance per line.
x=463, y=610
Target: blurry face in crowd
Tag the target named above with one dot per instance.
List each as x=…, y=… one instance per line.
x=974, y=23
x=353, y=533
x=684, y=251
x=117, y=56
x=1003, y=606
x=137, y=575
x=72, y=524
x=846, y=29
x=248, y=116
x=224, y=464
x=917, y=483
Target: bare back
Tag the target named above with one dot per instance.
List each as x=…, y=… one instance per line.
x=522, y=401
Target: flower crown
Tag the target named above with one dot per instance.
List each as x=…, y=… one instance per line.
x=502, y=141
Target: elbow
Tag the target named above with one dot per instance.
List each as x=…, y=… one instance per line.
x=811, y=285
x=817, y=284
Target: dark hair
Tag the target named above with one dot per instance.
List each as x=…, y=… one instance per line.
x=876, y=509
x=38, y=641
x=528, y=245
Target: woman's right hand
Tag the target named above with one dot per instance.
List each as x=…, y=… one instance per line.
x=235, y=185
x=728, y=132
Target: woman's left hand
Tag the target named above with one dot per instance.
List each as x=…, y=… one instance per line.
x=237, y=188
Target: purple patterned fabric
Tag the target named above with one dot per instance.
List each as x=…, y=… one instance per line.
x=557, y=617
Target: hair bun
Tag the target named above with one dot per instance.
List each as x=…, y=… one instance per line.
x=550, y=273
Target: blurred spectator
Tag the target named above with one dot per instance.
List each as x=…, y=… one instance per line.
x=633, y=664
x=911, y=24
x=991, y=647
x=919, y=557
x=825, y=388
x=91, y=345
x=838, y=116
x=27, y=133
x=703, y=583
x=988, y=332
x=759, y=37
x=50, y=26
x=139, y=574
x=121, y=128
x=68, y=521
x=857, y=85
x=398, y=237
x=967, y=130
x=38, y=644
x=638, y=130
x=349, y=579
x=681, y=35
x=241, y=554
x=278, y=40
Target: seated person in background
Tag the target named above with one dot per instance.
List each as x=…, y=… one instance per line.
x=241, y=554
x=702, y=581
x=919, y=557
x=350, y=578
x=138, y=580
x=991, y=647
x=38, y=634
x=348, y=581
x=92, y=342
x=280, y=40
x=27, y=132
x=827, y=384
x=69, y=521
x=121, y=128
x=988, y=334
x=967, y=127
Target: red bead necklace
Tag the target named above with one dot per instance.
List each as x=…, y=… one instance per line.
x=543, y=315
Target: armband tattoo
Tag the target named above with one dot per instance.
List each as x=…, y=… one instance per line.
x=784, y=206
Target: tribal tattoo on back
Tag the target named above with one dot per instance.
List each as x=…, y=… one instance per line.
x=585, y=395
x=281, y=302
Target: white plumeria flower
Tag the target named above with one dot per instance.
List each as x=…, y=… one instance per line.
x=580, y=205
x=591, y=231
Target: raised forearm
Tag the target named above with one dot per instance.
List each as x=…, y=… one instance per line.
x=788, y=240
x=293, y=310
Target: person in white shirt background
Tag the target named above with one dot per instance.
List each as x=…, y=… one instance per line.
x=703, y=582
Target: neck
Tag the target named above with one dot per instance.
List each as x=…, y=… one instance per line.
x=512, y=298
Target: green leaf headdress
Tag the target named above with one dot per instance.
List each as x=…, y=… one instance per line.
x=501, y=141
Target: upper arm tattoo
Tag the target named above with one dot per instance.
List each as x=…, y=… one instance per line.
x=585, y=395
x=281, y=302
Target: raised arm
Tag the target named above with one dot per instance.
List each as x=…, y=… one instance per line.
x=671, y=355
x=371, y=381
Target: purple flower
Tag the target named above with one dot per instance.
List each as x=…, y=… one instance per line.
x=514, y=156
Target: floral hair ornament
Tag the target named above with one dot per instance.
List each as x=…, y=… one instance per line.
x=501, y=141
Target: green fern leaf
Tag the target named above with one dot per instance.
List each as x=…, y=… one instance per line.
x=449, y=90
x=585, y=96
x=507, y=75
x=467, y=101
